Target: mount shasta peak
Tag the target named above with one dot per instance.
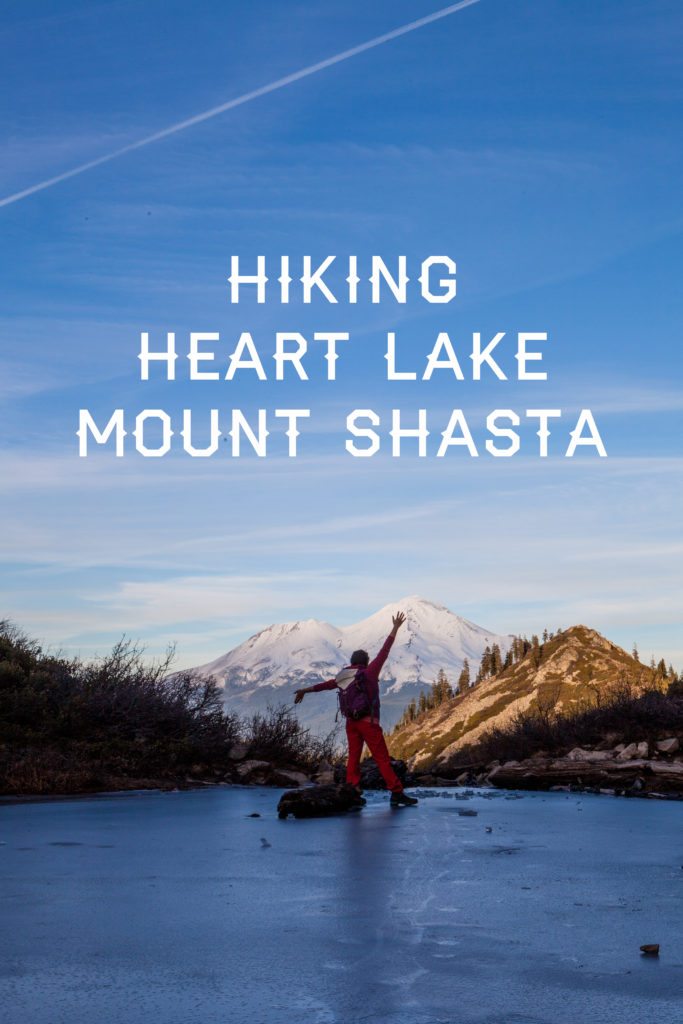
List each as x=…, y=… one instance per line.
x=265, y=668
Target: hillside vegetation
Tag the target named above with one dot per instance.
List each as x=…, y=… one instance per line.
x=119, y=722
x=625, y=716
x=556, y=679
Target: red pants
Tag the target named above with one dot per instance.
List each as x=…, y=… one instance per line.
x=365, y=731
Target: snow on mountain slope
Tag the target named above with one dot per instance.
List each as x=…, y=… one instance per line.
x=432, y=638
x=269, y=665
x=278, y=655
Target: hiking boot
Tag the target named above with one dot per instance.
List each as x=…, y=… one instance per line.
x=402, y=800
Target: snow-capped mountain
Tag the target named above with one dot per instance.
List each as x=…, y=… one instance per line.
x=267, y=667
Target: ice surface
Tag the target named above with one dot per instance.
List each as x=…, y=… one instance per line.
x=171, y=909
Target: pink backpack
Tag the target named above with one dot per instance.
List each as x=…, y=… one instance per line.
x=353, y=699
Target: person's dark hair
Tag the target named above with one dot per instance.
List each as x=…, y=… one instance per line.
x=360, y=658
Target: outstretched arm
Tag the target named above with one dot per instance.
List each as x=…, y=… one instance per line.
x=299, y=695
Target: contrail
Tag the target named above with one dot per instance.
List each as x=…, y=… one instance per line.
x=239, y=101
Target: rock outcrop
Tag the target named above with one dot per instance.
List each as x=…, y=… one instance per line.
x=288, y=777
x=253, y=772
x=671, y=745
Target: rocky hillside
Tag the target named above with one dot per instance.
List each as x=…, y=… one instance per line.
x=572, y=670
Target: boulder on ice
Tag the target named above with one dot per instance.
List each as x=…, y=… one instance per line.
x=319, y=801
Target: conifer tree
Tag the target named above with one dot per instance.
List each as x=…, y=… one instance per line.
x=464, y=677
x=442, y=689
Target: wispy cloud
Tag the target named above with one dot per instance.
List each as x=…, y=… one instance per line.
x=22, y=154
x=19, y=380
x=239, y=101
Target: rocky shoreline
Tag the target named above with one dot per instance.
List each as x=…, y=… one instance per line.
x=641, y=769
x=241, y=770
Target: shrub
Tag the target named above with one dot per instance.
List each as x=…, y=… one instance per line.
x=631, y=714
x=278, y=735
x=68, y=725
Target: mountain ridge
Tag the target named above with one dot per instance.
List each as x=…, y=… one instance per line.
x=571, y=670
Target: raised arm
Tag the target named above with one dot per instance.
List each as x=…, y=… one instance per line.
x=375, y=667
x=397, y=621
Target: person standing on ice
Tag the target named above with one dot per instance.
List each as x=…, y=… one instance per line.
x=358, y=690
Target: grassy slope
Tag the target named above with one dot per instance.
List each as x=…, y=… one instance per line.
x=578, y=665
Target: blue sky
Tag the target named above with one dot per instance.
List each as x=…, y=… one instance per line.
x=536, y=142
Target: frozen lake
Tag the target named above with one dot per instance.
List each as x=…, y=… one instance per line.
x=171, y=909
